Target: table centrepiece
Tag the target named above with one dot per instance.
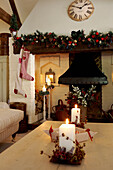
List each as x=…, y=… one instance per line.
x=67, y=139
x=61, y=156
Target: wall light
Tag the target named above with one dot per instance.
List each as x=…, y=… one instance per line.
x=50, y=75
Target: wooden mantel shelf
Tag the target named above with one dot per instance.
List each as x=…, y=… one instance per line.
x=41, y=49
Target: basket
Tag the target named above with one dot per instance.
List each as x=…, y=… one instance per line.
x=61, y=111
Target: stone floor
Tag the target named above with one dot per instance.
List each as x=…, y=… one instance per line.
x=8, y=142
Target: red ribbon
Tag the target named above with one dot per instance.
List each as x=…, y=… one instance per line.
x=50, y=130
x=77, y=143
x=88, y=130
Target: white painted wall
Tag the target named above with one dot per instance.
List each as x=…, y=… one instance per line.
x=4, y=27
x=51, y=16
x=4, y=78
x=27, y=86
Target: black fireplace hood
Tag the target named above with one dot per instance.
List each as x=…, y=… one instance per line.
x=83, y=70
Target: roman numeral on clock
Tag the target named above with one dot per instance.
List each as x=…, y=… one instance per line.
x=89, y=12
x=80, y=17
x=75, y=16
x=90, y=8
x=71, y=10
x=71, y=13
x=85, y=1
x=85, y=15
x=73, y=6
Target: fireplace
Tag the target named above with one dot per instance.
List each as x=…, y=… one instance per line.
x=84, y=71
x=59, y=63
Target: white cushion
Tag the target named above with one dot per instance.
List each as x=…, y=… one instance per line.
x=8, y=117
x=4, y=105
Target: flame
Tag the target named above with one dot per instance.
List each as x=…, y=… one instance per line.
x=75, y=105
x=67, y=121
x=44, y=89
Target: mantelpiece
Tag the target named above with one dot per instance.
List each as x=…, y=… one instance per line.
x=41, y=49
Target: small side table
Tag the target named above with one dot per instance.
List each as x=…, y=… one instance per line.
x=23, y=124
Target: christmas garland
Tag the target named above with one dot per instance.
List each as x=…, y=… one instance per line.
x=42, y=93
x=52, y=40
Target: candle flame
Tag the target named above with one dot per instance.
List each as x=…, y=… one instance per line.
x=44, y=89
x=75, y=105
x=67, y=121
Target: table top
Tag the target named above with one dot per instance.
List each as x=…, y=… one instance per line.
x=25, y=154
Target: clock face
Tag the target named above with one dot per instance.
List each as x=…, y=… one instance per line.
x=80, y=10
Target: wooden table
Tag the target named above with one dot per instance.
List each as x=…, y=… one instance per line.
x=25, y=154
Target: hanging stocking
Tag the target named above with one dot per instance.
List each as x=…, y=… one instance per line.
x=23, y=70
x=18, y=82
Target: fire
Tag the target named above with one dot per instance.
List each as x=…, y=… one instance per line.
x=75, y=105
x=67, y=121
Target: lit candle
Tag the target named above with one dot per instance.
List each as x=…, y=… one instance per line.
x=69, y=131
x=44, y=89
x=75, y=114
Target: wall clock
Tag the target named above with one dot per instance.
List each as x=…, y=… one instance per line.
x=80, y=10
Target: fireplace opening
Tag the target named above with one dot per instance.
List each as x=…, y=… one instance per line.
x=94, y=107
x=58, y=63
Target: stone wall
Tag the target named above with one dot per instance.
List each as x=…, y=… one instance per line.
x=107, y=90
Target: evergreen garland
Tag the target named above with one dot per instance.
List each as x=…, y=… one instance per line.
x=94, y=39
x=13, y=23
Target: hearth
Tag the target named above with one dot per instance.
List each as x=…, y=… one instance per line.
x=84, y=71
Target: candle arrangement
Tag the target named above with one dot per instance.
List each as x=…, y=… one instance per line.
x=67, y=138
x=67, y=149
x=44, y=92
x=60, y=155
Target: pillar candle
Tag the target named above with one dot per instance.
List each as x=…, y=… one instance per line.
x=69, y=131
x=44, y=104
x=49, y=103
x=75, y=114
x=44, y=109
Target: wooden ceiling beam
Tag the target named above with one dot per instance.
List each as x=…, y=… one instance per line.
x=14, y=9
x=5, y=16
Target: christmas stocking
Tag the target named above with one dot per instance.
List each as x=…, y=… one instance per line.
x=23, y=70
x=18, y=82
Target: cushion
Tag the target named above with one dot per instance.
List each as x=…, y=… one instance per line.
x=8, y=117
